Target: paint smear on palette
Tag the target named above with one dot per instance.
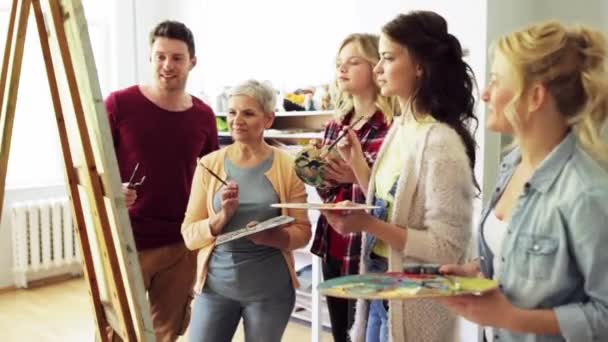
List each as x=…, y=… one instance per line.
x=403, y=286
x=274, y=222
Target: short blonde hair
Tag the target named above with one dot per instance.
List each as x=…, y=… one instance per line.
x=571, y=63
x=367, y=44
x=263, y=93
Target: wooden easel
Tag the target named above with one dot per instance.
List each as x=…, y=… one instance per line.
x=110, y=258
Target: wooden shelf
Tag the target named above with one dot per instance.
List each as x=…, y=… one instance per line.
x=292, y=113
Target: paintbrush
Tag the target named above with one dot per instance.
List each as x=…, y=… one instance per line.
x=333, y=144
x=132, y=184
x=214, y=175
x=134, y=173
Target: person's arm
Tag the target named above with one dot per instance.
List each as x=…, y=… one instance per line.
x=351, y=151
x=230, y=201
x=392, y=234
x=542, y=322
x=199, y=229
x=585, y=321
x=362, y=172
x=329, y=133
x=111, y=104
x=493, y=309
x=112, y=109
x=373, y=143
x=355, y=221
x=448, y=206
x=588, y=320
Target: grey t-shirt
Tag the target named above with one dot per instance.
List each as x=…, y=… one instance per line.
x=240, y=269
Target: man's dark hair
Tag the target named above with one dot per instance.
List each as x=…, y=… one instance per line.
x=174, y=30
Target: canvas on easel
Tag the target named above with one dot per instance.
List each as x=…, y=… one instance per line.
x=110, y=258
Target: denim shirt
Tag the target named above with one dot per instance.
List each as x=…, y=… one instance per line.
x=554, y=253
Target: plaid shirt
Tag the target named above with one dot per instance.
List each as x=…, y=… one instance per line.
x=328, y=242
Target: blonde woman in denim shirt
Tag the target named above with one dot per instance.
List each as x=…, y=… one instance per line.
x=548, y=88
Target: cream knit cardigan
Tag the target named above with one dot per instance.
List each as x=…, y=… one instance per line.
x=434, y=200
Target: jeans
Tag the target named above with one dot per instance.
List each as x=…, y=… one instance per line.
x=215, y=317
x=341, y=311
x=377, y=322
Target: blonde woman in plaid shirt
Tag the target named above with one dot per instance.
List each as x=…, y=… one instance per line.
x=359, y=97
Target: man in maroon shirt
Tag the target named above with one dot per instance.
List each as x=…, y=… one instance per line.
x=164, y=130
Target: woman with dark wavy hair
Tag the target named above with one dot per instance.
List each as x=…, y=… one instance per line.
x=423, y=178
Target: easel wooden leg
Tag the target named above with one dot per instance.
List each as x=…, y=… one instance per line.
x=108, y=248
x=71, y=176
x=7, y=113
x=7, y=51
x=96, y=197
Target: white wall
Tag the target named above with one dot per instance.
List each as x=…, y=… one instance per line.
x=503, y=17
x=506, y=16
x=28, y=155
x=35, y=169
x=123, y=43
x=292, y=44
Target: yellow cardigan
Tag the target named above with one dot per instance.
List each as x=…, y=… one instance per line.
x=196, y=231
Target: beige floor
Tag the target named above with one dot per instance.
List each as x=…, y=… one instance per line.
x=61, y=312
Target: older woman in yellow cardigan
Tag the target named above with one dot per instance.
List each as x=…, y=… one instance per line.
x=251, y=278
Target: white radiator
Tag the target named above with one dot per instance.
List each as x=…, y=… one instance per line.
x=45, y=243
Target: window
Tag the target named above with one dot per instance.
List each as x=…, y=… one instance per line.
x=35, y=157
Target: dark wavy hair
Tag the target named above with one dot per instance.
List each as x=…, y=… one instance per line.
x=445, y=89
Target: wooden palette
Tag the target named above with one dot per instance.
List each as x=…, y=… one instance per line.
x=323, y=206
x=274, y=222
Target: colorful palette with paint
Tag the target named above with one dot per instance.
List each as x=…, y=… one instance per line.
x=403, y=286
x=310, y=166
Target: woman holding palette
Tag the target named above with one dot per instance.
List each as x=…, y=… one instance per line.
x=422, y=180
x=543, y=235
x=359, y=104
x=251, y=278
